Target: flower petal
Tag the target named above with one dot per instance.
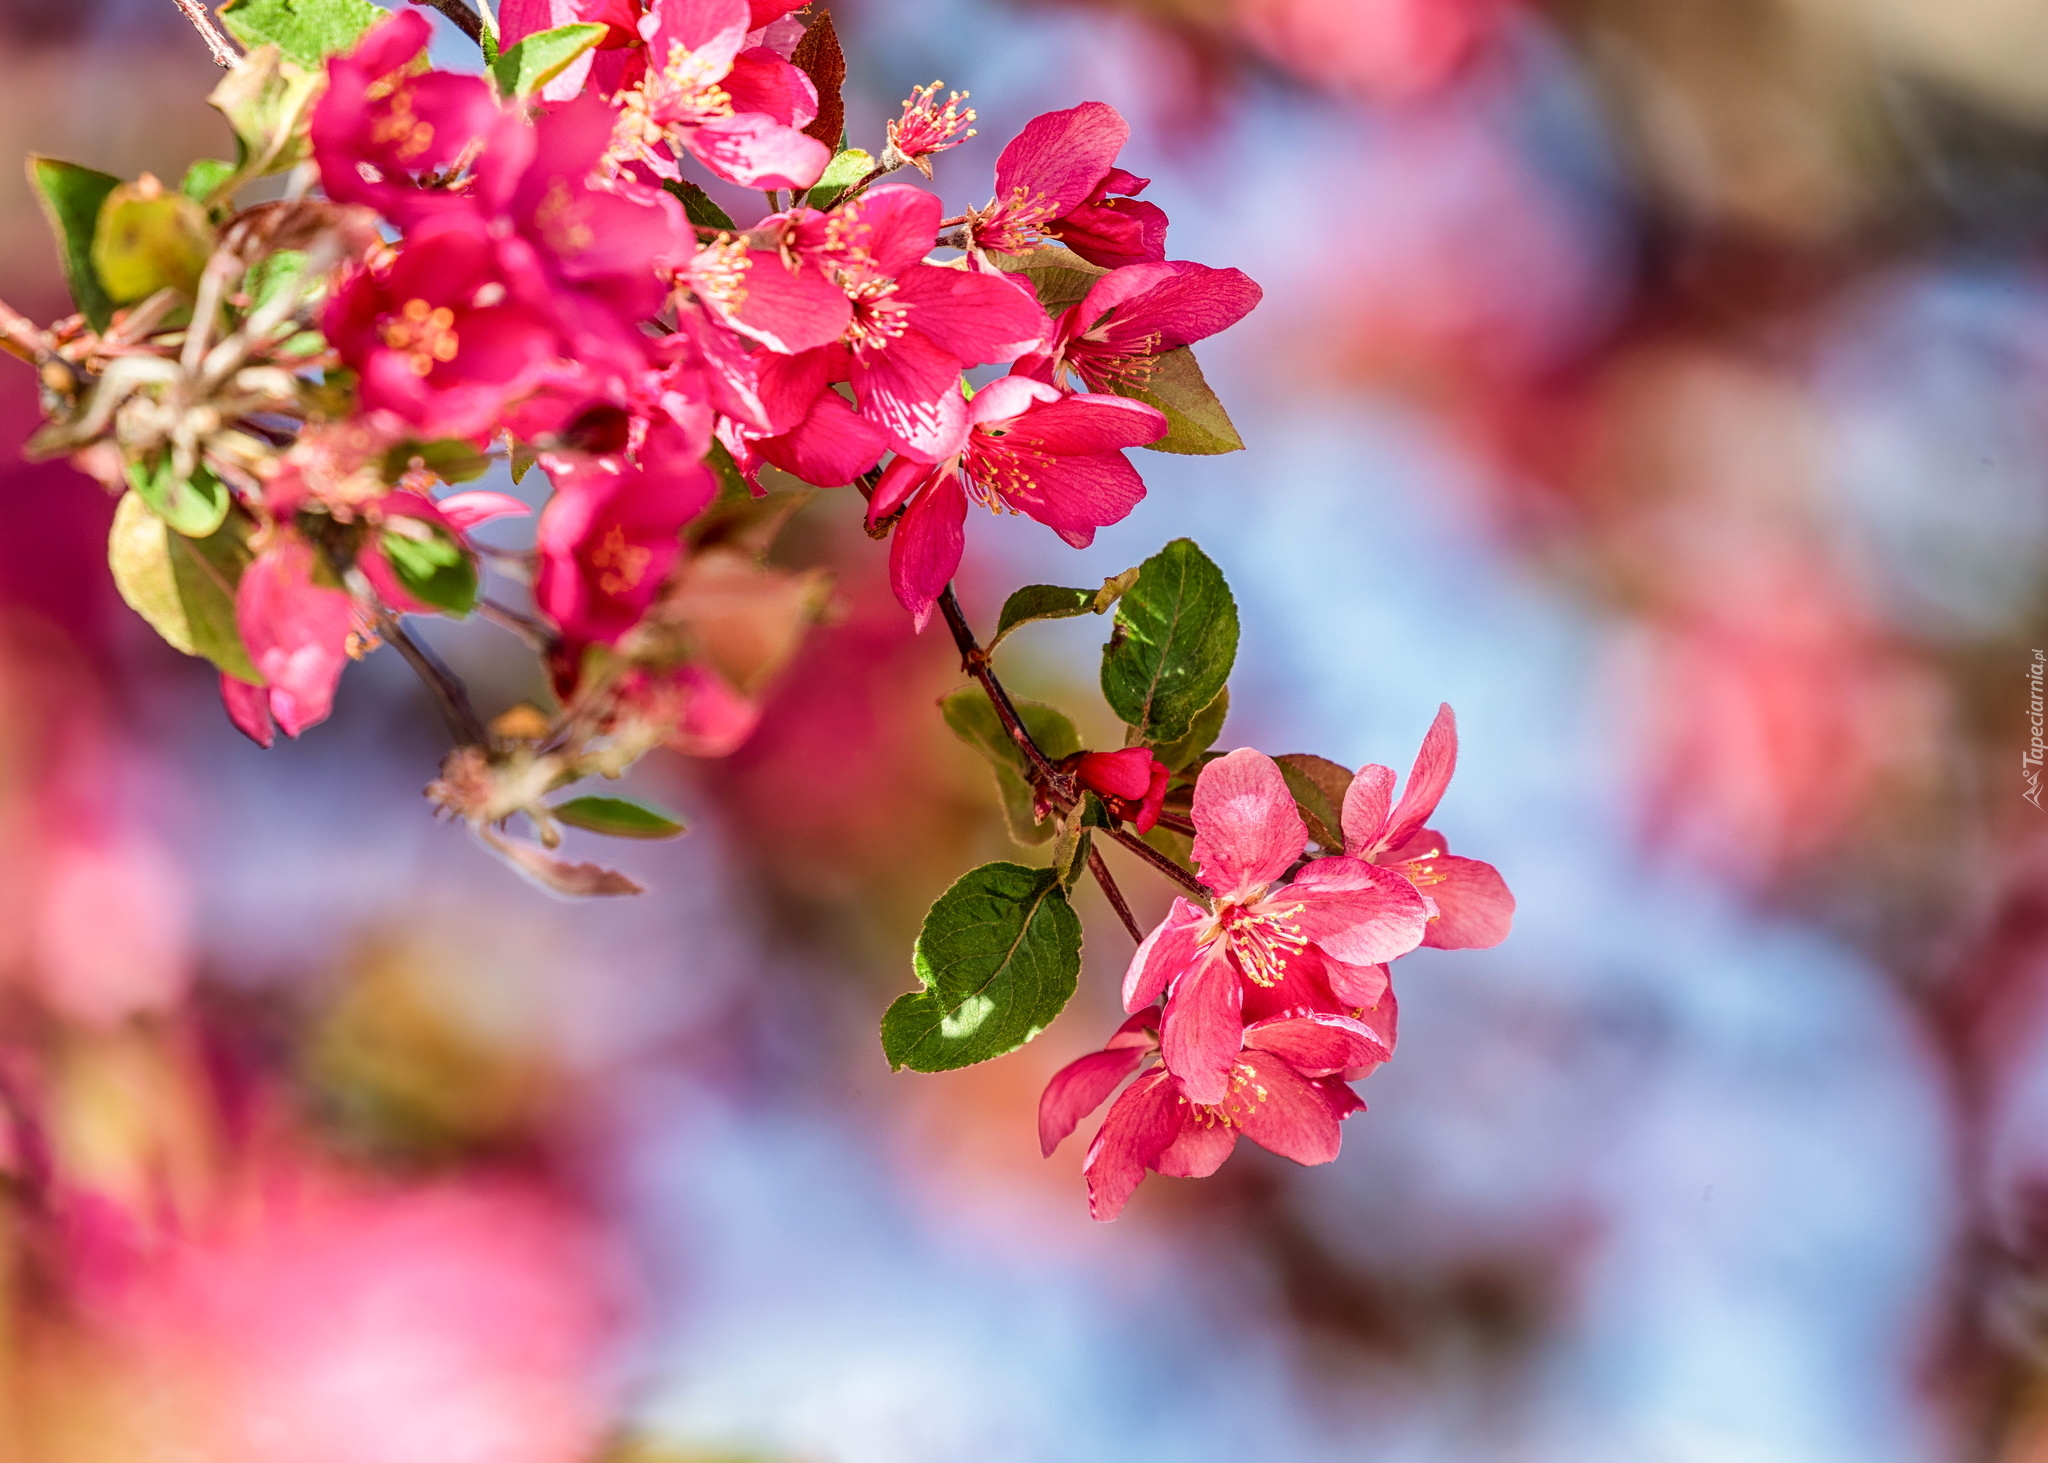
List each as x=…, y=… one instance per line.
x=1140, y=1124
x=1248, y=830
x=830, y=447
x=973, y=317
x=1318, y=1043
x=1366, y=803
x=1355, y=911
x=1282, y=1111
x=1198, y=1152
x=1427, y=779
x=1475, y=911
x=1169, y=950
x=1063, y=155
x=911, y=390
x=927, y=545
x=1201, y=1032
x=1077, y=1089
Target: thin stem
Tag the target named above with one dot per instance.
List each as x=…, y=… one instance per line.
x=1115, y=895
x=1160, y=862
x=974, y=660
x=466, y=20
x=1177, y=823
x=466, y=726
x=532, y=631
x=195, y=11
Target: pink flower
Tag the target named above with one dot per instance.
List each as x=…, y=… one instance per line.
x=380, y=128
x=1134, y=315
x=1284, y=1089
x=1471, y=908
x=925, y=128
x=1131, y=783
x=1056, y=178
x=606, y=541
x=442, y=333
x=1351, y=915
x=812, y=431
x=1031, y=449
x=915, y=326
x=296, y=630
x=788, y=305
x=738, y=110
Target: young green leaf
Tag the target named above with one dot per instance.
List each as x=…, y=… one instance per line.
x=194, y=506
x=433, y=567
x=204, y=178
x=1318, y=785
x=1060, y=276
x=149, y=239
x=184, y=587
x=1208, y=725
x=998, y=959
x=1175, y=641
x=699, y=206
x=71, y=197
x=525, y=68
x=1071, y=842
x=308, y=31
x=1196, y=423
x=847, y=167
x=1054, y=602
x=974, y=721
x=618, y=817
x=449, y=458
x=265, y=99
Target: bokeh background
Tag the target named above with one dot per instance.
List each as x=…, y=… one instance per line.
x=1664, y=383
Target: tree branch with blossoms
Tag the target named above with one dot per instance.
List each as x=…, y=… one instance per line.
x=524, y=271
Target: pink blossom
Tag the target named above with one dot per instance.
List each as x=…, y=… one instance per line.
x=606, y=541
x=692, y=708
x=446, y=331
x=789, y=305
x=1284, y=1089
x=1058, y=178
x=1248, y=834
x=380, y=129
x=1470, y=906
x=739, y=110
x=1132, y=316
x=1030, y=449
x=296, y=630
x=1132, y=783
x=914, y=326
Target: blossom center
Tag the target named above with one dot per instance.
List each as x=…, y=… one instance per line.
x=719, y=273
x=1246, y=1093
x=1423, y=872
x=1265, y=941
x=877, y=319
x=403, y=130
x=622, y=565
x=425, y=333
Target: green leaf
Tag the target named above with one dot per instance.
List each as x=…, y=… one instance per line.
x=308, y=31
x=266, y=100
x=618, y=817
x=1202, y=734
x=147, y=240
x=1054, y=602
x=974, y=721
x=1061, y=277
x=541, y=57
x=449, y=458
x=1196, y=423
x=1175, y=640
x=433, y=567
x=1071, y=842
x=846, y=168
x=204, y=177
x=699, y=206
x=71, y=197
x=998, y=958
x=194, y=506
x=1318, y=785
x=184, y=587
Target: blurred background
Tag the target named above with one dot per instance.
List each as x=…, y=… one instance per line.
x=1661, y=383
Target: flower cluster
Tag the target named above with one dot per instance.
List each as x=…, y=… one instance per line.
x=526, y=271
x=1277, y=994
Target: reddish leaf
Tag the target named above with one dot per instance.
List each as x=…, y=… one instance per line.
x=818, y=56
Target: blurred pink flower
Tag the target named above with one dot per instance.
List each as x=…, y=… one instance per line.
x=296, y=630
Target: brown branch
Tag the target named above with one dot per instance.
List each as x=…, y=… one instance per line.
x=1115, y=895
x=463, y=722
x=1057, y=785
x=466, y=20
x=195, y=11
x=1161, y=862
x=1176, y=823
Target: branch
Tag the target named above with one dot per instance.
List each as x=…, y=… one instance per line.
x=974, y=660
x=1176, y=823
x=466, y=20
x=1161, y=862
x=463, y=722
x=1115, y=895
x=223, y=53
